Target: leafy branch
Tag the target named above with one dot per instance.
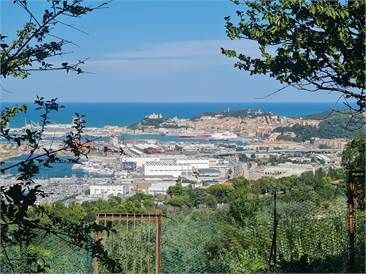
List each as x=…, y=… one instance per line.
x=35, y=42
x=315, y=46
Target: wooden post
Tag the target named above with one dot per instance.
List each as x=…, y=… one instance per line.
x=275, y=231
x=95, y=258
x=351, y=222
x=158, y=244
x=273, y=252
x=126, y=250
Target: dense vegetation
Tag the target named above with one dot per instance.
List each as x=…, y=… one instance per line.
x=155, y=123
x=237, y=113
x=33, y=47
x=319, y=46
x=148, y=122
x=333, y=125
x=228, y=227
x=315, y=46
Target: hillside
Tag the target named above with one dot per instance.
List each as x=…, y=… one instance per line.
x=219, y=229
x=333, y=125
x=236, y=113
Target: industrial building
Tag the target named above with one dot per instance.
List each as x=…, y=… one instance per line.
x=174, y=167
x=107, y=190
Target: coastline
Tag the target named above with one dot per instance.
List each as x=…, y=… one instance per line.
x=125, y=114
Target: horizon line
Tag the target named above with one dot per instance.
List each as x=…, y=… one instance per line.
x=183, y=102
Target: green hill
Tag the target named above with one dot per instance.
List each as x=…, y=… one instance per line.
x=334, y=124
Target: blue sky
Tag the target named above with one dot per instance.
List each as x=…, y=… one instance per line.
x=148, y=51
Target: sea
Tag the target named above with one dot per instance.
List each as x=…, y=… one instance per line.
x=125, y=114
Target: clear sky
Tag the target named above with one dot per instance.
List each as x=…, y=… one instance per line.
x=148, y=51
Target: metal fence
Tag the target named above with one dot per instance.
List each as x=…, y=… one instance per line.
x=135, y=242
x=184, y=242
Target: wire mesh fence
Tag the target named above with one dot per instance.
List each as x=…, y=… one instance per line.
x=198, y=241
x=59, y=255
x=134, y=242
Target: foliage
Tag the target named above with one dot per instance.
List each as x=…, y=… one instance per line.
x=312, y=232
x=22, y=220
x=336, y=125
x=35, y=44
x=190, y=197
x=353, y=160
x=309, y=45
x=285, y=137
x=184, y=242
x=163, y=122
x=244, y=113
x=220, y=192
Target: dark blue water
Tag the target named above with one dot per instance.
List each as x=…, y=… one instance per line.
x=57, y=170
x=123, y=114
x=61, y=169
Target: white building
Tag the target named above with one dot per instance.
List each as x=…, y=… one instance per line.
x=140, y=161
x=286, y=170
x=322, y=158
x=194, y=163
x=154, y=116
x=160, y=187
x=174, y=168
x=107, y=190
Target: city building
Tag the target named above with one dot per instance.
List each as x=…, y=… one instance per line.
x=108, y=190
x=174, y=167
x=154, y=116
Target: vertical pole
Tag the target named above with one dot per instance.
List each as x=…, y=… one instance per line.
x=120, y=238
x=275, y=231
x=158, y=243
x=142, y=244
x=104, y=236
x=112, y=237
x=134, y=268
x=126, y=250
x=95, y=258
x=148, y=245
x=273, y=251
x=351, y=222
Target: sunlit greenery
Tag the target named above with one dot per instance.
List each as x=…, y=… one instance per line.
x=225, y=228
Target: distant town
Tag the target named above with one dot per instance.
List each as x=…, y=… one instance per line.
x=155, y=153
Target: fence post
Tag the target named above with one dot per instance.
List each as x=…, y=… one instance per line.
x=158, y=243
x=95, y=258
x=351, y=222
x=273, y=252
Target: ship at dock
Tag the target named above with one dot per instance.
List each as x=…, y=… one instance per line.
x=214, y=136
x=223, y=136
x=196, y=136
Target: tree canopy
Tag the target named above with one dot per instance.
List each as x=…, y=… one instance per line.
x=353, y=160
x=309, y=45
x=22, y=220
x=36, y=43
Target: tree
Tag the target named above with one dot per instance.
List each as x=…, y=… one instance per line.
x=176, y=190
x=310, y=45
x=35, y=44
x=22, y=219
x=353, y=160
x=198, y=196
x=144, y=200
x=220, y=192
